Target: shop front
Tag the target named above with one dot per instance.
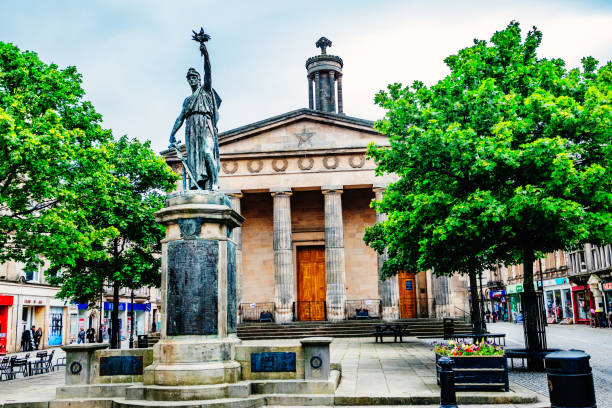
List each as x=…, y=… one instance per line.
x=607, y=288
x=583, y=303
x=515, y=314
x=558, y=301
x=499, y=306
x=140, y=310
x=5, y=303
x=33, y=314
x=108, y=308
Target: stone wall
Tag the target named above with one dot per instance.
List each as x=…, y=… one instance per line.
x=360, y=260
x=257, y=250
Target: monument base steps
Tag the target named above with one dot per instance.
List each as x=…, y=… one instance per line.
x=192, y=373
x=188, y=393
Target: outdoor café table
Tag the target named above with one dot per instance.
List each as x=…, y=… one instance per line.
x=497, y=338
x=32, y=362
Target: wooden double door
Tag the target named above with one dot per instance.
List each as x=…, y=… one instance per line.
x=311, y=288
x=407, y=295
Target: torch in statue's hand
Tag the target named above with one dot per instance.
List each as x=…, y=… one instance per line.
x=202, y=38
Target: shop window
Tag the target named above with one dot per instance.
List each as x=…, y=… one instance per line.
x=24, y=314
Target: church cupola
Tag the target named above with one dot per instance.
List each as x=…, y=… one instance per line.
x=324, y=74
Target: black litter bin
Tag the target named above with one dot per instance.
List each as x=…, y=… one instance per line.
x=143, y=341
x=570, y=381
x=448, y=326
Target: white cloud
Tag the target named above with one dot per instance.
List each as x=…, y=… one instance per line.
x=134, y=56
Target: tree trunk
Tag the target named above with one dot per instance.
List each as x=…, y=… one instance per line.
x=531, y=314
x=115, y=340
x=475, y=311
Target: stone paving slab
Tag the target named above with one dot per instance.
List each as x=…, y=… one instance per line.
x=400, y=373
x=387, y=373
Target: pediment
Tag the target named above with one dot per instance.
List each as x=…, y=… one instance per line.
x=297, y=132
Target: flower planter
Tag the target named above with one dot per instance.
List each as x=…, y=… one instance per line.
x=478, y=372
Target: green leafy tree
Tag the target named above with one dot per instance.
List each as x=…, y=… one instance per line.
x=126, y=205
x=49, y=150
x=505, y=159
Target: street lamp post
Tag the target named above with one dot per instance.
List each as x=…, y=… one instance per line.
x=100, y=332
x=132, y=325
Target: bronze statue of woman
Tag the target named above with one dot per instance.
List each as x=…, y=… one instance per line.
x=200, y=114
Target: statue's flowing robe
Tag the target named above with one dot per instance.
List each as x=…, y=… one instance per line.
x=201, y=115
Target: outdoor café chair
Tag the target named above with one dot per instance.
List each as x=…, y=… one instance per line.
x=5, y=369
x=19, y=366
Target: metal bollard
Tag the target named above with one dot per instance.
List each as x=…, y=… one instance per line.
x=448, y=399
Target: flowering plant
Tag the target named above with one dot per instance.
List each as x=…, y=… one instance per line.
x=461, y=349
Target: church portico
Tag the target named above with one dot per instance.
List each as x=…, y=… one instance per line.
x=304, y=185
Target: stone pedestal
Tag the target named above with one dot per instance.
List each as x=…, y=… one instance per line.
x=316, y=357
x=79, y=362
x=198, y=292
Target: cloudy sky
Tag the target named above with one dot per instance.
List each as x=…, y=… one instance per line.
x=134, y=54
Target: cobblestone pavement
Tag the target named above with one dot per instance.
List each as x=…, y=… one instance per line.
x=597, y=342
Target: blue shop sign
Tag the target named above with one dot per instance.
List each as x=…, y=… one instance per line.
x=81, y=306
x=408, y=285
x=109, y=306
x=140, y=307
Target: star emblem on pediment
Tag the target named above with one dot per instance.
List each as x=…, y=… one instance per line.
x=304, y=138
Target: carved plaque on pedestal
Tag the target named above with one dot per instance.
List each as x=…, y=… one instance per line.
x=192, y=287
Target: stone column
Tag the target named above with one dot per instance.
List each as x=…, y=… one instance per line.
x=235, y=198
x=388, y=289
x=340, y=106
x=283, y=256
x=310, y=97
x=334, y=253
x=317, y=84
x=332, y=92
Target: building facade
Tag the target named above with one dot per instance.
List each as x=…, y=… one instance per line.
x=304, y=185
x=26, y=300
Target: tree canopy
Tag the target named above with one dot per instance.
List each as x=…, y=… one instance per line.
x=506, y=158
x=49, y=157
x=125, y=205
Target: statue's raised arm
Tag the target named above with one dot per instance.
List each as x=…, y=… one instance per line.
x=202, y=38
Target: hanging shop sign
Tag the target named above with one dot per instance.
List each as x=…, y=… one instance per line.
x=607, y=286
x=497, y=293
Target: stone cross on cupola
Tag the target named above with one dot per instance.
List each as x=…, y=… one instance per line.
x=325, y=76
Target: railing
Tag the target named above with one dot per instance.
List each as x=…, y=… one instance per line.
x=251, y=312
x=372, y=306
x=310, y=310
x=462, y=315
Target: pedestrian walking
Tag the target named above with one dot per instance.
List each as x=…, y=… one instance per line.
x=91, y=333
x=25, y=340
x=81, y=336
x=37, y=336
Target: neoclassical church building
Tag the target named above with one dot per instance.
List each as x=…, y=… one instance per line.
x=304, y=185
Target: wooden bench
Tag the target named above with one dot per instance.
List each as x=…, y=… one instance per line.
x=523, y=355
x=395, y=330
